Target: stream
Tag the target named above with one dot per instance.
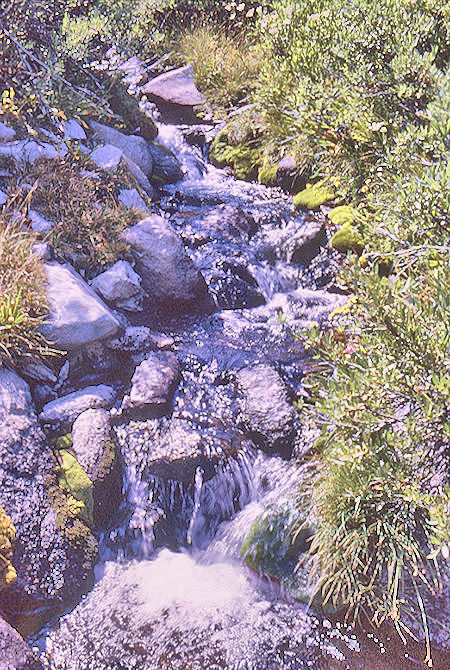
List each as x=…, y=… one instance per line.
x=171, y=590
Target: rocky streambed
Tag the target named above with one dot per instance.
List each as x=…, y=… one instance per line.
x=135, y=473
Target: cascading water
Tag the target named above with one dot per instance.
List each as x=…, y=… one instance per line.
x=171, y=592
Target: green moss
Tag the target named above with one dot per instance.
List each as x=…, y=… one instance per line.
x=267, y=175
x=272, y=545
x=313, y=197
x=341, y=215
x=243, y=157
x=7, y=536
x=62, y=442
x=75, y=481
x=347, y=239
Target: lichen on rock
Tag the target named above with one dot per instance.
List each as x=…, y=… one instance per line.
x=8, y=574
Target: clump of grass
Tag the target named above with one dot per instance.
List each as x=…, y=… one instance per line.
x=88, y=218
x=23, y=302
x=225, y=65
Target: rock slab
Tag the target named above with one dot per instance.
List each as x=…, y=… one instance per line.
x=77, y=315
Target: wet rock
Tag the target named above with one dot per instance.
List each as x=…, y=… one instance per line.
x=140, y=177
x=305, y=241
x=288, y=176
x=63, y=411
x=176, y=86
x=38, y=223
x=130, y=198
x=73, y=130
x=225, y=221
x=173, y=612
x=168, y=274
x=53, y=554
x=152, y=386
x=29, y=151
x=267, y=414
x=37, y=370
x=15, y=654
x=166, y=168
x=133, y=146
x=107, y=157
x=77, y=315
x=6, y=132
x=120, y=286
x=139, y=339
x=95, y=451
x=232, y=292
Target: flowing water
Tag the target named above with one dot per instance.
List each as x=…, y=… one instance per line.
x=171, y=591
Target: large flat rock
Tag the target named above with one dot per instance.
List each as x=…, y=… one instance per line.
x=176, y=86
x=77, y=315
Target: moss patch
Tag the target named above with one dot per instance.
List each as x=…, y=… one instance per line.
x=267, y=175
x=242, y=157
x=313, y=197
x=347, y=239
x=74, y=480
x=342, y=214
x=272, y=545
x=8, y=574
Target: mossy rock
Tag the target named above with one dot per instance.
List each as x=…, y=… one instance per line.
x=342, y=215
x=267, y=175
x=77, y=484
x=313, y=197
x=242, y=157
x=347, y=239
x=8, y=574
x=274, y=542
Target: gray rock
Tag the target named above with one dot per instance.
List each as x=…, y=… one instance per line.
x=42, y=250
x=107, y=157
x=15, y=654
x=267, y=414
x=3, y=197
x=140, y=177
x=29, y=151
x=73, y=130
x=51, y=567
x=95, y=450
x=152, y=385
x=38, y=223
x=133, y=146
x=77, y=315
x=130, y=198
x=176, y=86
x=63, y=411
x=168, y=274
x=37, y=370
x=6, y=132
x=140, y=339
x=166, y=167
x=135, y=71
x=120, y=286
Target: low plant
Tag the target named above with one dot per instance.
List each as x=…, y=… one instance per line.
x=88, y=220
x=225, y=65
x=23, y=302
